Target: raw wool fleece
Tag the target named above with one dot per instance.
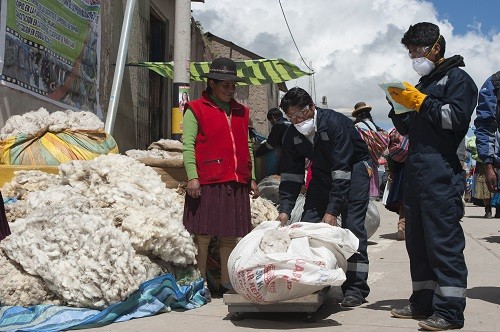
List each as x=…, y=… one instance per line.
x=58, y=196
x=92, y=260
x=140, y=154
x=121, y=189
x=21, y=288
x=24, y=183
x=163, y=153
x=150, y=232
x=167, y=145
x=262, y=209
x=133, y=195
x=38, y=121
x=274, y=241
x=119, y=204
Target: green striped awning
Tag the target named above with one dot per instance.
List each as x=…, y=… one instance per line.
x=254, y=72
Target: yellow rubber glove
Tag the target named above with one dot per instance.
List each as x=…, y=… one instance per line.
x=410, y=97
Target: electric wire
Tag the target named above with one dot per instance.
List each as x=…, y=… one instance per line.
x=293, y=39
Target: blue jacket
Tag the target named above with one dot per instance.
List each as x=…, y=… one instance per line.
x=487, y=122
x=444, y=117
x=336, y=147
x=275, y=138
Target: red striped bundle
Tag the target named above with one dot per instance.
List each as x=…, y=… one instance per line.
x=398, y=146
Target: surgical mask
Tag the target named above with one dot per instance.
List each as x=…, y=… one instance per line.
x=305, y=127
x=422, y=66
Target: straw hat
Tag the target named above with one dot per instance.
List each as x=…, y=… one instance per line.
x=360, y=107
x=223, y=69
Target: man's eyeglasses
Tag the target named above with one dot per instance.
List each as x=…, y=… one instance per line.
x=419, y=52
x=299, y=114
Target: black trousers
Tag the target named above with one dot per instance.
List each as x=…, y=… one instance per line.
x=435, y=240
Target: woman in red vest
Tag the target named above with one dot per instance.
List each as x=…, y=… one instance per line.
x=219, y=163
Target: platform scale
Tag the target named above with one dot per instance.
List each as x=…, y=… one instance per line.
x=237, y=305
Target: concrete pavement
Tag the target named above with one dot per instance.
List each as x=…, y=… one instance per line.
x=390, y=287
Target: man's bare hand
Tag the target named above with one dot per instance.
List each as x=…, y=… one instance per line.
x=254, y=189
x=283, y=218
x=330, y=219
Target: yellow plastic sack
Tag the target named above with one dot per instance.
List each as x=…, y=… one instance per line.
x=55, y=148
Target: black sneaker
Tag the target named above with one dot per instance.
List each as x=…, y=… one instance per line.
x=436, y=323
x=408, y=312
x=350, y=301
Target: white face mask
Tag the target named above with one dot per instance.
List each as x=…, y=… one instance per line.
x=305, y=127
x=423, y=66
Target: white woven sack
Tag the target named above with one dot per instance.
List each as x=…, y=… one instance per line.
x=316, y=257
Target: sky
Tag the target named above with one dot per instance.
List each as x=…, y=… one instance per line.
x=353, y=45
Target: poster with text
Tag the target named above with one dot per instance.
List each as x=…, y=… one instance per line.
x=50, y=49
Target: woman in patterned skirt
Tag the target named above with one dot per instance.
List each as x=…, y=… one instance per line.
x=218, y=159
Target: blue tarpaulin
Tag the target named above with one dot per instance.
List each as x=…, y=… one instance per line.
x=154, y=296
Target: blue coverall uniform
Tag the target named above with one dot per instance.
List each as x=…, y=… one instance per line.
x=339, y=185
x=487, y=122
x=434, y=185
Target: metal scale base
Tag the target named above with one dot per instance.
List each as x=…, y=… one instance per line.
x=237, y=305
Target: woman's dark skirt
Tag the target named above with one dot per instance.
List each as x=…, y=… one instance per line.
x=223, y=209
x=4, y=225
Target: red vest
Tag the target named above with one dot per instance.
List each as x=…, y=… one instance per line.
x=221, y=147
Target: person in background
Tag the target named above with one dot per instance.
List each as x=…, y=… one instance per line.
x=279, y=126
x=4, y=225
x=218, y=159
x=340, y=178
x=442, y=102
x=480, y=195
x=481, y=191
x=396, y=163
x=487, y=134
x=363, y=120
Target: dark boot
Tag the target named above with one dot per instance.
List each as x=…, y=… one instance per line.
x=487, y=210
x=497, y=213
x=436, y=323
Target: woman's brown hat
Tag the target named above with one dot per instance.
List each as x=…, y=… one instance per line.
x=360, y=107
x=223, y=69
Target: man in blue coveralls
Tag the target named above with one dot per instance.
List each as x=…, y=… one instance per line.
x=443, y=102
x=340, y=178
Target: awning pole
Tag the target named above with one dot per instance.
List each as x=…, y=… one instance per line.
x=114, y=97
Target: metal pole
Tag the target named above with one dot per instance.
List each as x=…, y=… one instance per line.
x=182, y=51
x=119, y=68
x=182, y=41
x=310, y=82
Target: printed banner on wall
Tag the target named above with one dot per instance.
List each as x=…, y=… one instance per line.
x=51, y=50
